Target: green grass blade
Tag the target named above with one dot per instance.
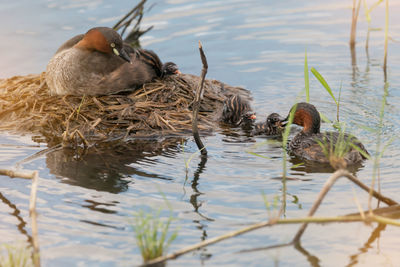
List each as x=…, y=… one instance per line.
x=296, y=165
x=373, y=6
x=366, y=128
x=187, y=162
x=257, y=155
x=152, y=232
x=386, y=146
x=365, y=155
x=324, y=118
x=324, y=83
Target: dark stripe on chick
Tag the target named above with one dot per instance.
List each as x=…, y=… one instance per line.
x=235, y=110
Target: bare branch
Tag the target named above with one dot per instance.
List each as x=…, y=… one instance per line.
x=328, y=184
x=17, y=174
x=197, y=100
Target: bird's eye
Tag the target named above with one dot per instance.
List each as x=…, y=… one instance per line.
x=112, y=45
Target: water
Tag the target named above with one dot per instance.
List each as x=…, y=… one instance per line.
x=85, y=204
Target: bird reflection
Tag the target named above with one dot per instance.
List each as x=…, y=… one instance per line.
x=305, y=166
x=108, y=166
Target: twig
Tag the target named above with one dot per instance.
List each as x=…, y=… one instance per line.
x=328, y=184
x=196, y=104
x=386, y=40
x=347, y=218
x=16, y=174
x=323, y=220
x=305, y=221
x=33, y=214
x=354, y=19
x=37, y=155
x=120, y=23
x=207, y=242
x=126, y=21
x=360, y=210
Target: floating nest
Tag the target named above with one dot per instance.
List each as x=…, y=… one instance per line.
x=157, y=109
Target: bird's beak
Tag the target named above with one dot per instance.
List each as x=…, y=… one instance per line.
x=122, y=53
x=283, y=121
x=253, y=116
x=177, y=72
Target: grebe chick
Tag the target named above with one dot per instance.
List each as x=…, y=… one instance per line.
x=237, y=111
x=271, y=126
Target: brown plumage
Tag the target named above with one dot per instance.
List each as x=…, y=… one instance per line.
x=307, y=143
x=271, y=126
x=100, y=63
x=236, y=111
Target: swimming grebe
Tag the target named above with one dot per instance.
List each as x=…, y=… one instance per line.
x=272, y=126
x=307, y=143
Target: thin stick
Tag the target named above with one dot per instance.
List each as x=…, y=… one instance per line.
x=37, y=155
x=328, y=184
x=16, y=174
x=354, y=19
x=196, y=104
x=305, y=221
x=207, y=242
x=324, y=220
x=386, y=40
x=33, y=214
x=118, y=25
x=347, y=218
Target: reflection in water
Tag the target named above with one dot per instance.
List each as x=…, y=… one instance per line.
x=305, y=166
x=107, y=167
x=93, y=205
x=204, y=255
x=193, y=198
x=16, y=213
x=374, y=235
x=354, y=62
x=275, y=34
x=313, y=260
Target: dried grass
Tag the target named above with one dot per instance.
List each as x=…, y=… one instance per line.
x=160, y=108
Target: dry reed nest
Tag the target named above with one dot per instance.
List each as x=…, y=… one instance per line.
x=159, y=108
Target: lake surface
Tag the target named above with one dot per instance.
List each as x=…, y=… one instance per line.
x=86, y=204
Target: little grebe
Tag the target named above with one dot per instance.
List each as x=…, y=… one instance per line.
x=100, y=63
x=237, y=111
x=272, y=126
x=169, y=68
x=308, y=143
